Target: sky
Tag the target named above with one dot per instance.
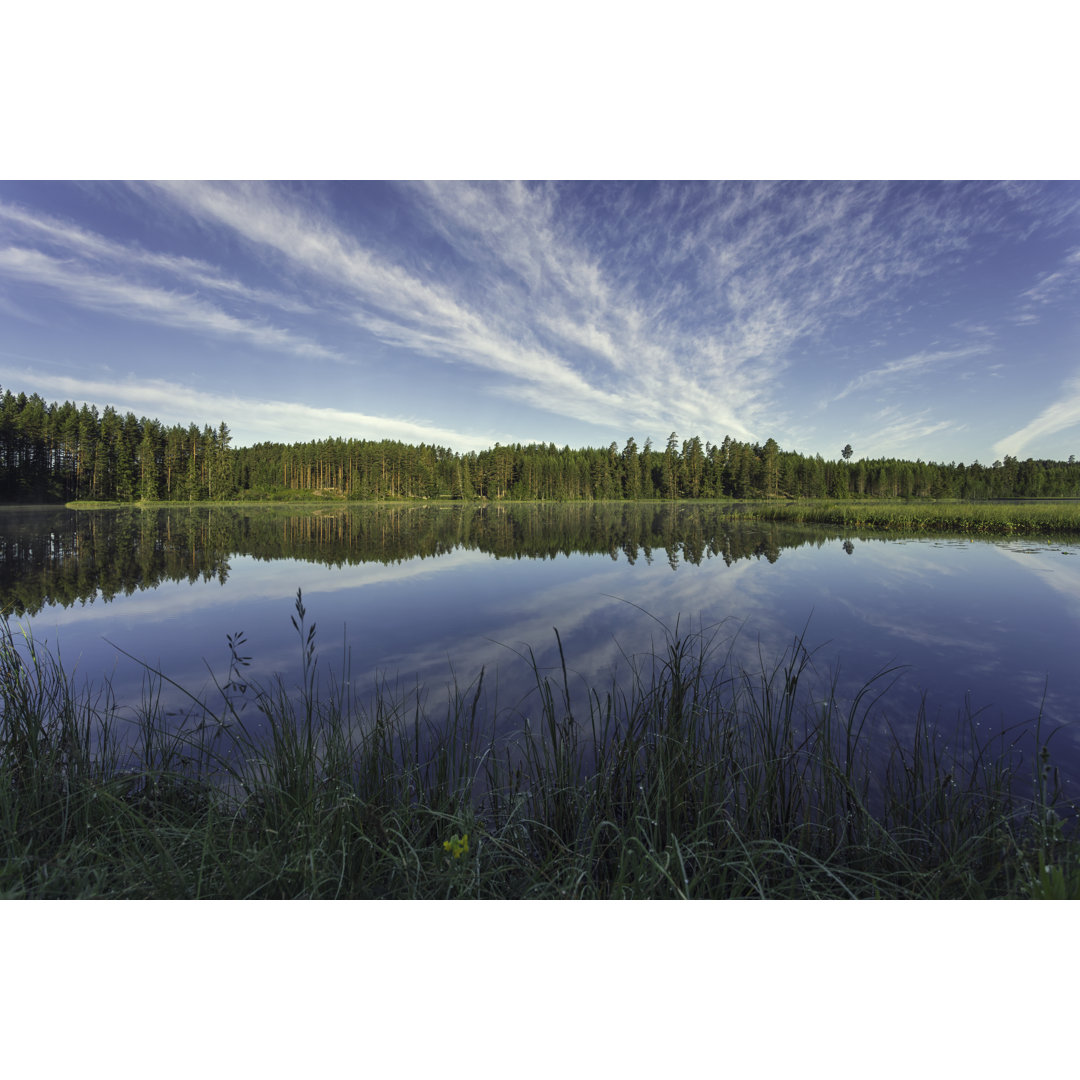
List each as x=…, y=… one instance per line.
x=933, y=320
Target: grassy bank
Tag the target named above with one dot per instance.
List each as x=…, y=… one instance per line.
x=984, y=519
x=692, y=780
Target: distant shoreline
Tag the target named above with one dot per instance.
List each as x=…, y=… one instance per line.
x=997, y=517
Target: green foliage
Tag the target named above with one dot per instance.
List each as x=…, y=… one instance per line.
x=1056, y=883
x=53, y=452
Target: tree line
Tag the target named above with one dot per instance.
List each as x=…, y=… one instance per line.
x=59, y=453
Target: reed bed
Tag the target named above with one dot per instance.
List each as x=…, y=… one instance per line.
x=984, y=519
x=686, y=780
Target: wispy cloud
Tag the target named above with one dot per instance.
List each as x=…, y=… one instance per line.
x=895, y=370
x=97, y=273
x=252, y=419
x=673, y=306
x=1061, y=415
x=69, y=239
x=434, y=319
x=895, y=434
x=103, y=292
x=1054, y=287
x=635, y=308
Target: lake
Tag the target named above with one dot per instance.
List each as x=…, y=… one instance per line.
x=423, y=597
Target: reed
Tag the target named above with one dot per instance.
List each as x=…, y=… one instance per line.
x=684, y=777
x=984, y=519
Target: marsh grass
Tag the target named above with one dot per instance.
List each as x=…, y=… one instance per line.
x=994, y=519
x=688, y=778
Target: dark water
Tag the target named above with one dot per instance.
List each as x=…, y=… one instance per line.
x=423, y=596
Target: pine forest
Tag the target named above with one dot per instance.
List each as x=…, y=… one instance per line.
x=62, y=453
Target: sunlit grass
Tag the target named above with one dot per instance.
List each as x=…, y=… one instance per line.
x=1001, y=519
x=686, y=779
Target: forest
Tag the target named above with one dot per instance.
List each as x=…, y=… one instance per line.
x=61, y=453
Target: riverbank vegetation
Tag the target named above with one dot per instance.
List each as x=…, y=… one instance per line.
x=688, y=779
x=985, y=519
x=60, y=453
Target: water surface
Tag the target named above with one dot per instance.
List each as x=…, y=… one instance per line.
x=421, y=597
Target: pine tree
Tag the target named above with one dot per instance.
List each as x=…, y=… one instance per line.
x=149, y=473
x=671, y=468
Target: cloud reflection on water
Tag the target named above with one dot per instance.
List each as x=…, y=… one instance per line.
x=988, y=624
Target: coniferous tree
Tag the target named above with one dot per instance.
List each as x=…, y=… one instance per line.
x=149, y=471
x=671, y=468
x=631, y=470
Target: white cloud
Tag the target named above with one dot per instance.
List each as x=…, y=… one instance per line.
x=639, y=308
x=81, y=286
x=916, y=362
x=893, y=433
x=250, y=420
x=1054, y=287
x=1061, y=415
x=762, y=265
x=72, y=240
x=399, y=308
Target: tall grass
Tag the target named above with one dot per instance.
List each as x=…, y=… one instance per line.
x=1002, y=519
x=687, y=778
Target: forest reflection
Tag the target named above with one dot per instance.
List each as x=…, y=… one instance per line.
x=59, y=556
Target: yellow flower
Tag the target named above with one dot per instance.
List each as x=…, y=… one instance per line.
x=457, y=845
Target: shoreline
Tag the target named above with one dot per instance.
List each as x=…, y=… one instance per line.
x=990, y=517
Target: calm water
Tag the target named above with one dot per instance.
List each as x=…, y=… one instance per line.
x=424, y=596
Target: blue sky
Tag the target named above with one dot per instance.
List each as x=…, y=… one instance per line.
x=937, y=320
